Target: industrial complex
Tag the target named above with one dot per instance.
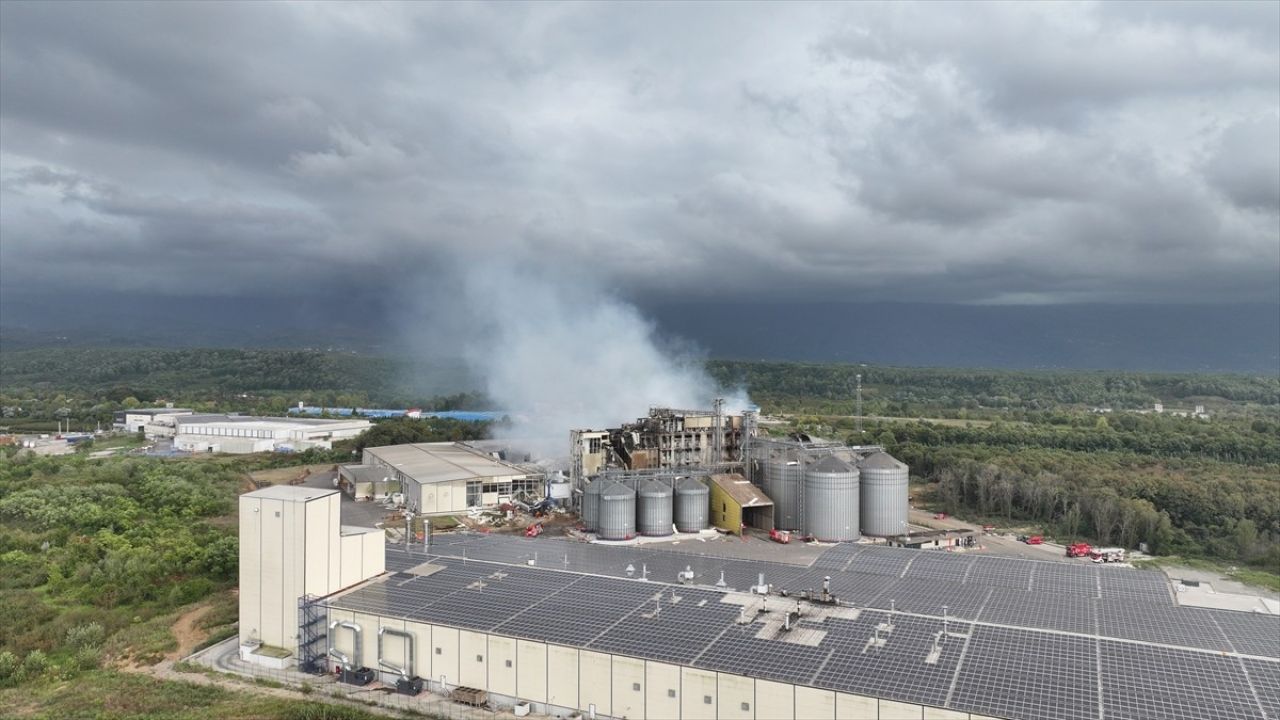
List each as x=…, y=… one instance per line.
x=637, y=614
x=249, y=434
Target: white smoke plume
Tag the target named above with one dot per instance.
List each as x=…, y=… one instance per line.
x=561, y=352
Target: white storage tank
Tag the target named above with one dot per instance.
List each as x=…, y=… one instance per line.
x=883, y=482
x=559, y=489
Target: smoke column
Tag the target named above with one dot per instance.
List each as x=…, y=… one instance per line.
x=563, y=353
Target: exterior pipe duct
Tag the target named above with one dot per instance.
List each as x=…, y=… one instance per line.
x=405, y=672
x=355, y=634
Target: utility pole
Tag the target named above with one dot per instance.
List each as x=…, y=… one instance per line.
x=857, y=411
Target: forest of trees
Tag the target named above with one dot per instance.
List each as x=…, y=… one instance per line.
x=829, y=389
x=1158, y=491
x=90, y=549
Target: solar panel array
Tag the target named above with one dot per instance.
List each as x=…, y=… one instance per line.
x=1028, y=639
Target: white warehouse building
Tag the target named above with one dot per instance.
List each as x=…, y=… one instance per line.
x=249, y=434
x=446, y=477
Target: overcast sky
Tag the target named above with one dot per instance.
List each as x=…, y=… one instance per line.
x=1008, y=153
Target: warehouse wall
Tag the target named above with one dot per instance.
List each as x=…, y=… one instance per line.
x=445, y=497
x=293, y=546
x=563, y=680
x=726, y=513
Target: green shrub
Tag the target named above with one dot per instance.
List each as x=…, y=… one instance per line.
x=190, y=591
x=87, y=658
x=34, y=665
x=88, y=636
x=8, y=666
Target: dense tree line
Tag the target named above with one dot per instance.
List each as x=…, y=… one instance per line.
x=1249, y=444
x=85, y=386
x=829, y=388
x=1184, y=504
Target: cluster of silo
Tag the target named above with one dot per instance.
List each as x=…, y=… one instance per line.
x=825, y=494
x=831, y=500
x=883, y=494
x=621, y=508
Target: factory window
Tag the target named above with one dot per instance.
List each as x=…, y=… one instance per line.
x=671, y=693
x=479, y=658
x=706, y=699
x=593, y=445
x=746, y=707
x=508, y=663
x=473, y=493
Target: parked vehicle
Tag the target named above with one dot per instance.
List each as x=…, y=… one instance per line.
x=1075, y=550
x=780, y=536
x=1035, y=540
x=1108, y=555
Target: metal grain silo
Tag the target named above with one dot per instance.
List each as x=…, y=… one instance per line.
x=782, y=477
x=591, y=504
x=617, y=512
x=883, y=481
x=654, y=508
x=831, y=500
x=693, y=505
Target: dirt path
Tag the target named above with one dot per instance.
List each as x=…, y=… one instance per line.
x=187, y=632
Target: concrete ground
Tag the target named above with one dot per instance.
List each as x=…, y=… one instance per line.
x=1218, y=591
x=364, y=513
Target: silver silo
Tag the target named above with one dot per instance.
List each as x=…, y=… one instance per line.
x=654, y=508
x=782, y=477
x=617, y=512
x=693, y=505
x=831, y=500
x=883, y=481
x=591, y=504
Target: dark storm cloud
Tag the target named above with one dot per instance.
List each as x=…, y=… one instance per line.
x=965, y=153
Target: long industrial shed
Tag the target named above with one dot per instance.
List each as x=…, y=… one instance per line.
x=628, y=632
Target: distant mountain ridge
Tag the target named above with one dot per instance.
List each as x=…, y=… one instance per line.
x=1158, y=338
x=1228, y=338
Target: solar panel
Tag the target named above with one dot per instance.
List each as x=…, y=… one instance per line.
x=1153, y=682
x=1029, y=639
x=1022, y=674
x=1264, y=677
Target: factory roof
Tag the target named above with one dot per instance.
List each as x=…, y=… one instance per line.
x=429, y=463
x=1019, y=638
x=265, y=422
x=365, y=473
x=294, y=493
x=157, y=411
x=741, y=490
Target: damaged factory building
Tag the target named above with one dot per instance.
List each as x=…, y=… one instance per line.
x=666, y=439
